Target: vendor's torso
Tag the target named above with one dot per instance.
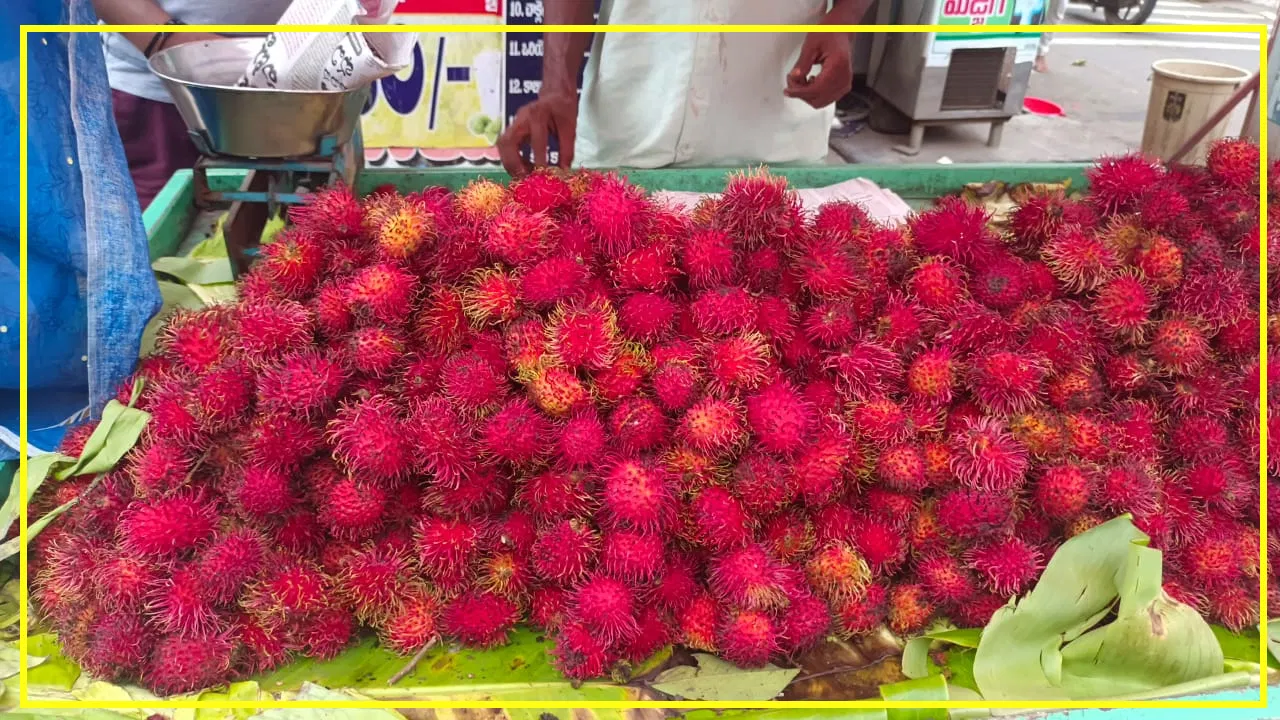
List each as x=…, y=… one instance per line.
x=705, y=99
x=126, y=67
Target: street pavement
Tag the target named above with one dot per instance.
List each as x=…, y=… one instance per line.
x=1102, y=82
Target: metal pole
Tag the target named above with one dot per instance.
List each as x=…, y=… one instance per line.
x=1249, y=87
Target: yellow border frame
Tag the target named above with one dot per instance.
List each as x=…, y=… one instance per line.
x=1259, y=30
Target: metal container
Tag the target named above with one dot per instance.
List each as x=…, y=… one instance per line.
x=225, y=120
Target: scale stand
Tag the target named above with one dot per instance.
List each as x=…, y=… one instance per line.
x=269, y=185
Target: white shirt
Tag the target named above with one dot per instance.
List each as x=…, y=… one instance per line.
x=706, y=99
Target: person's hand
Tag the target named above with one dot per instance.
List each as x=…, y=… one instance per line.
x=834, y=53
x=553, y=113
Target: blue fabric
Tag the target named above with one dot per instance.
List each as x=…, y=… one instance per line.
x=90, y=286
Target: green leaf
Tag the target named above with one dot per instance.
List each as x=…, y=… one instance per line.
x=958, y=668
x=9, y=661
x=195, y=271
x=174, y=296
x=216, y=294
x=9, y=604
x=1244, y=646
x=932, y=688
x=115, y=435
x=314, y=692
x=1153, y=641
x=715, y=679
x=1273, y=638
x=57, y=672
x=212, y=247
x=967, y=638
x=915, y=658
x=38, y=470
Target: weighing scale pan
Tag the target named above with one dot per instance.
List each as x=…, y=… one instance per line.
x=225, y=120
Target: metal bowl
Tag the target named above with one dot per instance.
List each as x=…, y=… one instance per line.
x=252, y=122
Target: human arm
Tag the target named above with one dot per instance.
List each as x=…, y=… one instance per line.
x=555, y=111
x=142, y=12
x=833, y=52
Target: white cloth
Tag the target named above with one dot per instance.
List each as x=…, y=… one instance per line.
x=706, y=99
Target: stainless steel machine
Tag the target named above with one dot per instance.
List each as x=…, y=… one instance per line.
x=284, y=138
x=947, y=78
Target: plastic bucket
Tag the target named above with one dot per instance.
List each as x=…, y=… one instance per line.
x=1184, y=94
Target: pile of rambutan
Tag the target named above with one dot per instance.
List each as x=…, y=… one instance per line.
x=741, y=428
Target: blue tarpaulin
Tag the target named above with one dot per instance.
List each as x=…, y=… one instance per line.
x=90, y=286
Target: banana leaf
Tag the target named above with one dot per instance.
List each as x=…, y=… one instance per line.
x=1050, y=645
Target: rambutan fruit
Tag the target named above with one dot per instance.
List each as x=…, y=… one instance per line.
x=197, y=339
x=938, y=283
x=353, y=509
x=441, y=322
x=837, y=572
x=956, y=229
x=1220, y=484
x=788, y=539
x=713, y=426
x=748, y=638
x=882, y=421
x=517, y=236
x=1128, y=489
x=749, y=578
x=552, y=280
x=831, y=323
x=1006, y=382
x=1038, y=217
x=1079, y=259
x=581, y=439
x=373, y=580
x=978, y=610
x=676, y=384
x=828, y=265
x=937, y=461
x=327, y=633
x=182, y=663
x=565, y=551
x=222, y=397
x=1042, y=433
x=1233, y=162
x=1198, y=437
x=718, y=520
x=1160, y=262
x=491, y=296
x=227, y=563
x=583, y=336
x=804, y=624
x=299, y=532
x=414, y=624
x=617, y=213
x=447, y=547
x=866, y=368
x=580, y=653
x=293, y=262
x=556, y=495
x=548, y=607
x=637, y=424
x=118, y=646
x=902, y=467
x=291, y=590
x=1063, y=491
x=368, y=438
x=265, y=332
x=968, y=514
x=880, y=542
x=306, y=383
x=167, y=526
x=1001, y=282
x=900, y=324
x=758, y=208
x=638, y=494
x=607, y=606
x=480, y=620
x=763, y=485
x=677, y=584
x=652, y=634
x=762, y=269
x=780, y=418
x=516, y=433
x=1007, y=567
x=542, y=191
x=651, y=267
x=159, y=467
x=1075, y=389
x=471, y=382
x=861, y=615
x=122, y=582
x=931, y=376
x=1123, y=304
x=724, y=310
x=632, y=556
x=819, y=470
x=1117, y=184
x=480, y=200
x=946, y=579
x=1179, y=346
x=708, y=258
x=1235, y=606
x=909, y=608
x=985, y=456
x=1211, y=562
x=646, y=316
x=736, y=363
x=624, y=376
